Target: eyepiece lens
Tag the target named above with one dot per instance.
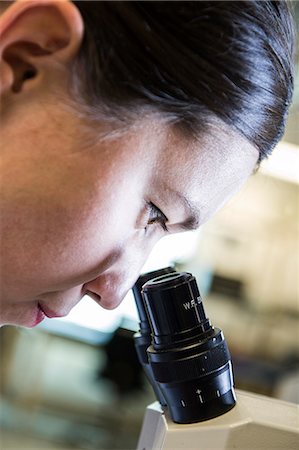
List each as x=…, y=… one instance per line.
x=137, y=292
x=174, y=308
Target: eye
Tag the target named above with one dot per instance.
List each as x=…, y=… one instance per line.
x=155, y=215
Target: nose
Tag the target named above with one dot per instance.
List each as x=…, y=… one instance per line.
x=110, y=287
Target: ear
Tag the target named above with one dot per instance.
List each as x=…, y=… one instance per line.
x=38, y=37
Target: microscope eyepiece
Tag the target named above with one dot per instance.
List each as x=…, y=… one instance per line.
x=175, y=309
x=137, y=288
x=143, y=338
x=189, y=358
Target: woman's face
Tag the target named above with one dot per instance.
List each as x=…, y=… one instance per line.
x=81, y=212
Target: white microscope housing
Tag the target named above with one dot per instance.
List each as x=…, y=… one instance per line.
x=255, y=423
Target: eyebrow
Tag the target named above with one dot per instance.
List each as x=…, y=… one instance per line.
x=193, y=220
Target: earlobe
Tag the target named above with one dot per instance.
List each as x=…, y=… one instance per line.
x=36, y=36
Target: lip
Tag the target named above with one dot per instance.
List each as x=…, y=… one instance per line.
x=39, y=317
x=48, y=312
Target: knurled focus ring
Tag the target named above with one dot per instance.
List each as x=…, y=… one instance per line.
x=192, y=367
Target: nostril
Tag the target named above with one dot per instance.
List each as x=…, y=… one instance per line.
x=94, y=296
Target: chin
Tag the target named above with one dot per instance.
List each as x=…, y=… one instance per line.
x=28, y=316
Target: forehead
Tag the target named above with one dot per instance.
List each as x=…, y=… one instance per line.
x=173, y=165
x=202, y=173
x=218, y=156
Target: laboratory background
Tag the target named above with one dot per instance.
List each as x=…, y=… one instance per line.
x=76, y=383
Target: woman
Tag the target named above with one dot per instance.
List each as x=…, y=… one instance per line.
x=122, y=122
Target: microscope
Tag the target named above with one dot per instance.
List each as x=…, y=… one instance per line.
x=188, y=364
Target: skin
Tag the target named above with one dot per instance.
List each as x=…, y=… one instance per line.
x=76, y=200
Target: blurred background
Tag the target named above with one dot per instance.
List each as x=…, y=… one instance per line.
x=75, y=383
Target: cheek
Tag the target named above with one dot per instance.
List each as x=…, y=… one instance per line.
x=92, y=237
x=74, y=226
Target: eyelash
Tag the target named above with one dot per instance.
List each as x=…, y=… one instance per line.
x=159, y=217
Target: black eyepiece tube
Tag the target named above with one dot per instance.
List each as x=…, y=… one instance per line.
x=143, y=338
x=189, y=358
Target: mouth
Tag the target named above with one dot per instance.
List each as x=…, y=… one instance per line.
x=48, y=312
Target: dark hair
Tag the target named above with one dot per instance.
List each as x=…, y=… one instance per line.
x=191, y=60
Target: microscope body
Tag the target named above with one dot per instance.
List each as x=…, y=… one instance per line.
x=188, y=363
x=255, y=423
